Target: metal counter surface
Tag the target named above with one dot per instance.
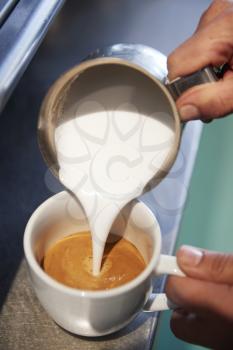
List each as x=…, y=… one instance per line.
x=80, y=28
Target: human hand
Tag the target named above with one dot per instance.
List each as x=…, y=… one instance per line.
x=211, y=44
x=204, y=298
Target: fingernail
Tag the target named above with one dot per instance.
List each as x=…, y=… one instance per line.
x=188, y=112
x=190, y=256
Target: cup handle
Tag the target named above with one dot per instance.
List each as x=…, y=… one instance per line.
x=168, y=265
x=158, y=301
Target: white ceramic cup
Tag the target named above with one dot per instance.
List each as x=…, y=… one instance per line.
x=95, y=313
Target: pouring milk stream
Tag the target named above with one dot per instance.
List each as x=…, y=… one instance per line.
x=106, y=158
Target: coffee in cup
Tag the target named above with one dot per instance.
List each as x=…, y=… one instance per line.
x=69, y=261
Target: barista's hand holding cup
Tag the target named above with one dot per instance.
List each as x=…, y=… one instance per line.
x=204, y=312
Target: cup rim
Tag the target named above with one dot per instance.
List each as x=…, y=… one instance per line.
x=34, y=265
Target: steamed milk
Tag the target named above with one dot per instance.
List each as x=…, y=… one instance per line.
x=106, y=158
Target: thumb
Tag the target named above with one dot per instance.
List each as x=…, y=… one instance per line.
x=207, y=101
x=206, y=265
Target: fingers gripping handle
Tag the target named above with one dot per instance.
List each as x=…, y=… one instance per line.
x=181, y=84
x=159, y=302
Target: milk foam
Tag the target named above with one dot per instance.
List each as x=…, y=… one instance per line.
x=106, y=158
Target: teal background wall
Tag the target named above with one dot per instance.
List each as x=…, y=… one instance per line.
x=208, y=216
